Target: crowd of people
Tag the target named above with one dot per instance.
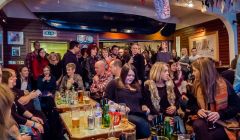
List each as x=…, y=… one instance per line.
x=186, y=88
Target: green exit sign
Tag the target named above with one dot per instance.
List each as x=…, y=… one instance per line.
x=49, y=33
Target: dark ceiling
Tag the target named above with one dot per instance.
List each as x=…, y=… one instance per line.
x=101, y=22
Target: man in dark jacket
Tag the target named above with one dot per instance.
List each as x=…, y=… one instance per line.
x=71, y=57
x=137, y=61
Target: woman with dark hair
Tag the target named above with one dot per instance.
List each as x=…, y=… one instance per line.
x=106, y=56
x=216, y=100
x=24, y=82
x=83, y=61
x=90, y=61
x=39, y=63
x=128, y=90
x=47, y=82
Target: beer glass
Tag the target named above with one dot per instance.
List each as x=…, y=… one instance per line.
x=86, y=97
x=75, y=117
x=210, y=124
x=129, y=135
x=80, y=96
x=124, y=113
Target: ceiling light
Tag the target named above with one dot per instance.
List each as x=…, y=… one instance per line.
x=128, y=31
x=113, y=29
x=84, y=27
x=56, y=24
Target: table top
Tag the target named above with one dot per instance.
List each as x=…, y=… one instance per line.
x=67, y=107
x=84, y=133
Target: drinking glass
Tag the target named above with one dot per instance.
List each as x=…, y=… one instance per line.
x=129, y=135
x=75, y=117
x=124, y=113
x=80, y=96
x=210, y=124
x=86, y=97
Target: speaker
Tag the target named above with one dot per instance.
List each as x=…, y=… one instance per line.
x=168, y=29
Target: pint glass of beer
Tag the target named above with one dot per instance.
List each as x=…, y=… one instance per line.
x=75, y=117
x=86, y=97
x=80, y=96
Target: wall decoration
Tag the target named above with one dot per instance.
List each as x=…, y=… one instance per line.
x=15, y=38
x=206, y=45
x=15, y=51
x=85, y=39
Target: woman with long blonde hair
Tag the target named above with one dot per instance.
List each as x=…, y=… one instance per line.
x=161, y=95
x=160, y=92
x=216, y=100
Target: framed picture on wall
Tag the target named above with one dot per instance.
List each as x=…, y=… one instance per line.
x=85, y=39
x=15, y=38
x=206, y=45
x=15, y=51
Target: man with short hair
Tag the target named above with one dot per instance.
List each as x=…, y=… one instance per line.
x=32, y=55
x=114, y=51
x=194, y=55
x=71, y=57
x=137, y=60
x=115, y=67
x=100, y=80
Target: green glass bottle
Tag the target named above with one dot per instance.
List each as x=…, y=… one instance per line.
x=106, y=117
x=167, y=129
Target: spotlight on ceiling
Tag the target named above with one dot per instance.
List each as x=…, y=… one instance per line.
x=55, y=24
x=84, y=27
x=128, y=31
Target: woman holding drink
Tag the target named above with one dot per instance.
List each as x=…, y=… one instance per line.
x=216, y=101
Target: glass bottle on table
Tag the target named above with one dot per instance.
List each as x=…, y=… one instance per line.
x=106, y=117
x=98, y=116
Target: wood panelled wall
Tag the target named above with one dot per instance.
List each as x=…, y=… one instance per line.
x=32, y=30
x=208, y=27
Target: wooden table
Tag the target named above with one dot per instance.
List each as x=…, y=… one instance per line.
x=67, y=107
x=82, y=133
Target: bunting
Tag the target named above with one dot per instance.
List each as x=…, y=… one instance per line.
x=162, y=8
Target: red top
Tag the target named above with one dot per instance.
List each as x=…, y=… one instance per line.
x=37, y=67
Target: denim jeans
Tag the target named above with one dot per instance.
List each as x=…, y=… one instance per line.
x=181, y=124
x=142, y=126
x=37, y=104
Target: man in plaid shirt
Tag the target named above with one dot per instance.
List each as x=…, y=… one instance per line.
x=100, y=80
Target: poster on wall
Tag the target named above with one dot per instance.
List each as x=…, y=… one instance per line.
x=85, y=39
x=206, y=45
x=15, y=51
x=15, y=38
